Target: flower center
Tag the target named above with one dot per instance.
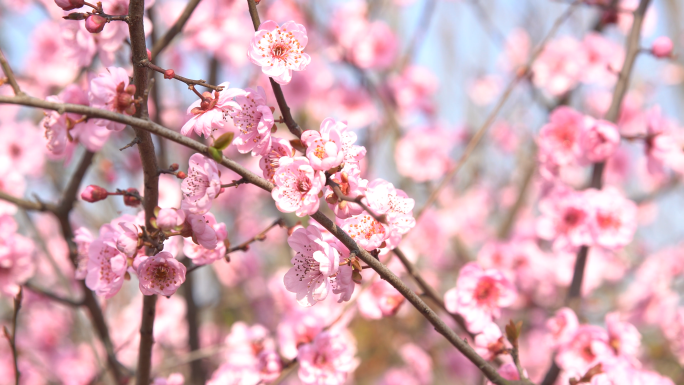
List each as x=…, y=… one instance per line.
x=486, y=291
x=304, y=185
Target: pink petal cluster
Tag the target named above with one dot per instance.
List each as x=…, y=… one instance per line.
x=560, y=66
x=297, y=186
x=160, y=274
x=170, y=219
x=366, y=231
x=106, y=265
x=479, y=296
x=490, y=343
x=209, y=113
x=64, y=131
x=316, y=269
x=17, y=257
x=379, y=300
x=270, y=162
x=324, y=149
x=202, y=229
x=395, y=204
x=202, y=255
x=254, y=119
x=352, y=185
x=201, y=186
x=613, y=218
x=598, y=141
x=412, y=89
x=111, y=91
x=328, y=359
x=172, y=379
x=423, y=154
x=278, y=49
x=83, y=238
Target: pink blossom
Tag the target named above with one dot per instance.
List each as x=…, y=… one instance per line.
x=413, y=88
x=278, y=50
x=559, y=67
x=624, y=338
x=614, y=218
x=106, y=266
x=270, y=162
x=19, y=147
x=297, y=186
x=379, y=300
x=423, y=155
x=563, y=326
x=662, y=47
x=509, y=371
x=160, y=274
x=559, y=138
x=566, y=219
x=83, y=239
x=69, y=5
x=598, y=140
x=604, y=59
x=489, y=343
x=47, y=61
x=209, y=113
x=661, y=147
x=588, y=347
x=79, y=44
x=395, y=204
x=254, y=119
x=366, y=231
x=375, y=47
x=324, y=148
x=65, y=130
x=170, y=219
x=203, y=232
x=111, y=91
x=172, y=379
x=328, y=359
x=316, y=269
x=201, y=255
x=479, y=295
x=95, y=23
x=201, y=186
x=93, y=193
x=129, y=241
x=352, y=153
x=351, y=185
x=17, y=255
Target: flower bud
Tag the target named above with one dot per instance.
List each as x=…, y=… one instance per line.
x=68, y=5
x=174, y=166
x=94, y=193
x=181, y=175
x=132, y=200
x=95, y=23
x=169, y=74
x=149, y=55
x=662, y=47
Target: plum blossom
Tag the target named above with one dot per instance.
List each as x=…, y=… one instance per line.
x=17, y=254
x=490, y=343
x=324, y=148
x=201, y=255
x=559, y=66
x=395, y=204
x=170, y=219
x=352, y=153
x=270, y=162
x=83, y=238
x=661, y=147
x=328, y=359
x=379, y=300
x=598, y=140
x=297, y=186
x=563, y=326
x=613, y=218
x=316, y=269
x=201, y=186
x=254, y=119
x=479, y=296
x=106, y=265
x=604, y=59
x=559, y=138
x=623, y=337
x=129, y=240
x=366, y=231
x=351, y=185
x=65, y=130
x=209, y=113
x=588, y=347
x=111, y=91
x=662, y=47
x=160, y=274
x=278, y=50
x=202, y=232
x=423, y=154
x=566, y=219
x=413, y=88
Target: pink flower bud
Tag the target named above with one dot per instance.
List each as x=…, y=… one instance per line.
x=181, y=175
x=95, y=23
x=149, y=55
x=94, y=193
x=169, y=74
x=662, y=47
x=68, y=5
x=174, y=166
x=132, y=200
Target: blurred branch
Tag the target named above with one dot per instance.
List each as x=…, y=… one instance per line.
x=508, y=222
x=475, y=140
x=189, y=82
x=175, y=29
x=52, y=296
x=9, y=75
x=12, y=338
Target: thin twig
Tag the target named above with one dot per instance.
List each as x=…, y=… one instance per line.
x=132, y=143
x=244, y=246
x=235, y=183
x=9, y=74
x=475, y=140
x=52, y=296
x=25, y=204
x=12, y=338
x=189, y=82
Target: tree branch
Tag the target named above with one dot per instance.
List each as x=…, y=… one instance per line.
x=9, y=74
x=52, y=296
x=189, y=82
x=12, y=338
x=175, y=29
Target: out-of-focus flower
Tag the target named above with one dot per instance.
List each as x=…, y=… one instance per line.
x=328, y=359
x=423, y=154
x=559, y=67
x=379, y=300
x=278, y=50
x=598, y=140
x=160, y=274
x=17, y=254
x=490, y=343
x=566, y=217
x=201, y=255
x=613, y=218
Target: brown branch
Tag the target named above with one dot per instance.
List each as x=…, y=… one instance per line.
x=632, y=50
x=175, y=29
x=9, y=74
x=52, y=296
x=197, y=373
x=277, y=91
x=27, y=205
x=358, y=200
x=12, y=338
x=189, y=82
x=507, y=224
x=479, y=134
x=244, y=246
x=235, y=183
